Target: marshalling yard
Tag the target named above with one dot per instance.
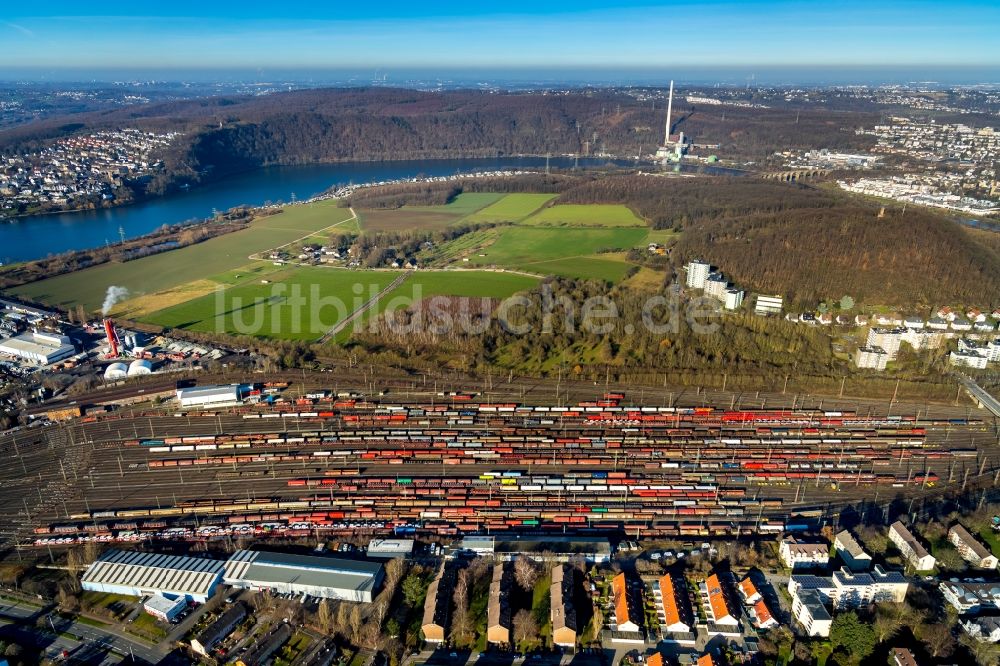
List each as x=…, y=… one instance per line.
x=406, y=458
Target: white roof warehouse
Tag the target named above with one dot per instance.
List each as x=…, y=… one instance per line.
x=324, y=577
x=137, y=574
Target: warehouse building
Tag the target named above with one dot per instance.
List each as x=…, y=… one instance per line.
x=138, y=574
x=38, y=347
x=390, y=548
x=322, y=577
x=554, y=548
x=220, y=395
x=162, y=608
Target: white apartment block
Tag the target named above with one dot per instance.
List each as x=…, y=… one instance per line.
x=850, y=551
x=810, y=612
x=886, y=338
x=871, y=358
x=716, y=286
x=734, y=298
x=968, y=359
x=971, y=598
x=846, y=589
x=799, y=555
x=697, y=274
x=912, y=550
x=971, y=549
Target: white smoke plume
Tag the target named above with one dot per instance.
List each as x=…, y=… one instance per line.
x=114, y=295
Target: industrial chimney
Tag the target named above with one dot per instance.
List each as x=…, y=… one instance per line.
x=670, y=109
x=113, y=342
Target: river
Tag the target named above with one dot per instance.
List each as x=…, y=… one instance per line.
x=38, y=236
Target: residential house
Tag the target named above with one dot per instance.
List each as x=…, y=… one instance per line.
x=801, y=555
x=670, y=606
x=851, y=552
x=970, y=597
x=720, y=611
x=810, y=612
x=748, y=591
x=984, y=629
x=626, y=613
x=971, y=549
x=562, y=608
x=912, y=550
x=498, y=611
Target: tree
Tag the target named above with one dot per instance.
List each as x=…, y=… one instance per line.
x=986, y=653
x=938, y=638
x=847, y=303
x=525, y=572
x=852, y=635
x=324, y=616
x=356, y=622
x=414, y=590
x=525, y=628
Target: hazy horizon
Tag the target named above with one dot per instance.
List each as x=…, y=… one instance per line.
x=722, y=75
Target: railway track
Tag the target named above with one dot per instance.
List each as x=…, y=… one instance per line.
x=98, y=470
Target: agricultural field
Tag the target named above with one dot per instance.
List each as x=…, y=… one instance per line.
x=568, y=252
x=425, y=218
x=295, y=304
x=592, y=215
x=511, y=208
x=160, y=273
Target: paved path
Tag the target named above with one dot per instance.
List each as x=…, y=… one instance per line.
x=344, y=323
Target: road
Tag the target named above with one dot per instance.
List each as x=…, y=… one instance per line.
x=21, y=619
x=980, y=394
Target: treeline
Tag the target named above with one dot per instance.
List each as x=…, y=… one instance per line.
x=676, y=202
x=228, y=134
x=919, y=259
x=397, y=195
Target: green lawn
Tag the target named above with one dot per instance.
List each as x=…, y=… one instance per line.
x=592, y=215
x=991, y=538
x=511, y=208
x=170, y=269
x=299, y=304
x=568, y=252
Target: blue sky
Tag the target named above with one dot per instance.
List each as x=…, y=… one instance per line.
x=517, y=33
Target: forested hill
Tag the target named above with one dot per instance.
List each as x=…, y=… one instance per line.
x=811, y=244
x=230, y=133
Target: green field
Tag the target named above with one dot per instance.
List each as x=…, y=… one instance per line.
x=511, y=208
x=297, y=304
x=594, y=215
x=163, y=271
x=465, y=203
x=457, y=283
x=474, y=284
x=568, y=252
